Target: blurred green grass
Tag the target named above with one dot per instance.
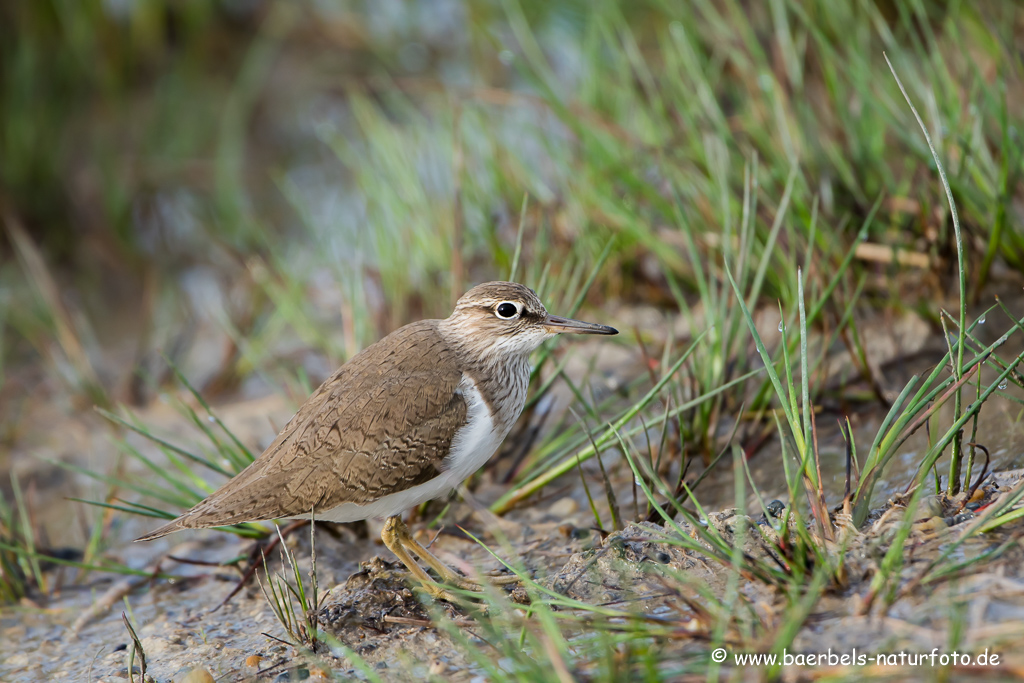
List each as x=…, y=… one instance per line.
x=386, y=148
x=308, y=176
x=258, y=190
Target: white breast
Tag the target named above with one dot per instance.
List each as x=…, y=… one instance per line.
x=476, y=442
x=472, y=446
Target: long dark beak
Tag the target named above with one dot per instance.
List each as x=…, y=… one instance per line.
x=558, y=325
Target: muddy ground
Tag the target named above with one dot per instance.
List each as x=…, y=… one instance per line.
x=77, y=633
x=372, y=611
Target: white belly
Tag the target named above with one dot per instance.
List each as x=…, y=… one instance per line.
x=472, y=447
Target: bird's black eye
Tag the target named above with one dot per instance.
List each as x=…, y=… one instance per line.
x=507, y=310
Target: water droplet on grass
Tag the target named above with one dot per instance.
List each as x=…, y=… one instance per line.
x=981, y=320
x=1003, y=384
x=782, y=326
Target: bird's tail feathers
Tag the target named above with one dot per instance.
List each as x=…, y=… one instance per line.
x=170, y=527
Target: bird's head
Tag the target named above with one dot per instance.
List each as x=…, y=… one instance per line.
x=509, y=318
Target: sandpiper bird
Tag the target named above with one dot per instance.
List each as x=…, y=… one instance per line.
x=404, y=421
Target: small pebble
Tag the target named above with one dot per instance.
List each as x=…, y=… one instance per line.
x=437, y=667
x=253, y=661
x=198, y=675
x=933, y=524
x=959, y=519
x=563, y=507
x=929, y=507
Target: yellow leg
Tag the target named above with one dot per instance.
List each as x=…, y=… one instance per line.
x=447, y=574
x=393, y=540
x=399, y=540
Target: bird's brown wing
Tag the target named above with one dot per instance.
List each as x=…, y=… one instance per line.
x=381, y=424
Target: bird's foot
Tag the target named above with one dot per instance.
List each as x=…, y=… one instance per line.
x=399, y=540
x=438, y=592
x=459, y=581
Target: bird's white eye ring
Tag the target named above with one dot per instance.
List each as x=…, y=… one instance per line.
x=506, y=310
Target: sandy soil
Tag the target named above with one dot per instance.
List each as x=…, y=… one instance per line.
x=77, y=634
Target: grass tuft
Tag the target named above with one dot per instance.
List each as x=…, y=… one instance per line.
x=296, y=606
